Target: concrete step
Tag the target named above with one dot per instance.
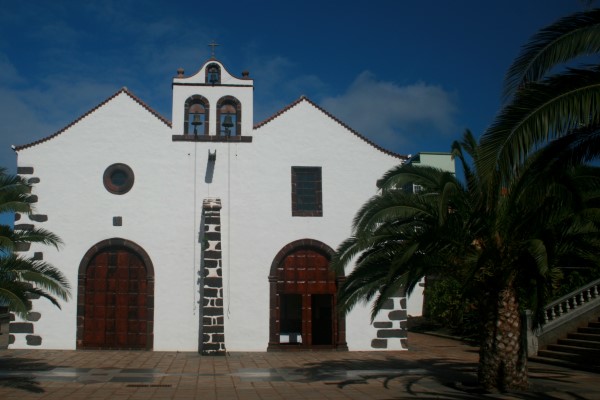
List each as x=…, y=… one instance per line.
x=564, y=364
x=584, y=336
x=590, y=354
x=594, y=324
x=595, y=331
x=571, y=357
x=580, y=343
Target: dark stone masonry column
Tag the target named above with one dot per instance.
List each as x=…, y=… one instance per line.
x=391, y=325
x=211, y=288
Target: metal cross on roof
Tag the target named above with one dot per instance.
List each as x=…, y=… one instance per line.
x=213, y=45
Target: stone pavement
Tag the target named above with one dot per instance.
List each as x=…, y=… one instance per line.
x=433, y=368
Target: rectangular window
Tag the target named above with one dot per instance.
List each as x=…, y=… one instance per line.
x=307, y=194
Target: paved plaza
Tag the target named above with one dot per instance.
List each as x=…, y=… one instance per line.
x=434, y=368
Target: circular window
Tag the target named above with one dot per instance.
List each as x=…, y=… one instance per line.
x=118, y=178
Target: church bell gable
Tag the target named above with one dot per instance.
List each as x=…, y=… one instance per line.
x=212, y=105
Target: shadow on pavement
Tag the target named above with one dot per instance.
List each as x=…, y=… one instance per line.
x=431, y=378
x=22, y=365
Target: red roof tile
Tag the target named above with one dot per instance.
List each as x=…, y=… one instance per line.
x=303, y=98
x=123, y=90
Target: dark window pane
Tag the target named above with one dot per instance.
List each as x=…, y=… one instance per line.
x=118, y=178
x=306, y=191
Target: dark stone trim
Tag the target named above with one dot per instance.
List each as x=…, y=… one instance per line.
x=391, y=333
x=33, y=180
x=114, y=188
x=33, y=340
x=25, y=170
x=191, y=101
x=212, y=331
x=397, y=315
x=211, y=138
x=23, y=227
x=230, y=100
x=20, y=327
x=85, y=261
x=21, y=246
x=38, y=217
x=379, y=343
x=117, y=221
x=33, y=316
x=388, y=305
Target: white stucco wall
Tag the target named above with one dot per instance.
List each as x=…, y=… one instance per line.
x=162, y=211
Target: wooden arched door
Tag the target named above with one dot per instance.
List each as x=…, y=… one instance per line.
x=303, y=300
x=117, y=301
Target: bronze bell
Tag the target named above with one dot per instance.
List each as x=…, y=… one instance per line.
x=227, y=124
x=195, y=122
x=228, y=121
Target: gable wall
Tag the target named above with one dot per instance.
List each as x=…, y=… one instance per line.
x=162, y=212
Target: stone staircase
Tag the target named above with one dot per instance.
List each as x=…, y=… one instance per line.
x=571, y=335
x=579, y=350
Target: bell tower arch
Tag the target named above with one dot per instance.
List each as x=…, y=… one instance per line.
x=209, y=104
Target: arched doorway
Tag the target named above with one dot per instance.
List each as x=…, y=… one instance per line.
x=303, y=299
x=115, y=297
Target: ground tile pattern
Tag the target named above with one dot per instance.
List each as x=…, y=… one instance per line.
x=432, y=368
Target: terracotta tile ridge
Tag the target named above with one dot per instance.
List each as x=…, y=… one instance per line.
x=354, y=132
x=146, y=106
x=122, y=90
x=278, y=113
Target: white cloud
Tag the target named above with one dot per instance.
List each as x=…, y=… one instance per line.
x=279, y=81
x=391, y=114
x=8, y=72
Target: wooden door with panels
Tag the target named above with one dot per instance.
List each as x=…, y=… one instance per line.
x=117, y=313
x=303, y=302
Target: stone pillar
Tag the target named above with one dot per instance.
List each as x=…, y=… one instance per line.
x=211, y=289
x=391, y=325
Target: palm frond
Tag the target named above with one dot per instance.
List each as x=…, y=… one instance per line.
x=570, y=37
x=539, y=113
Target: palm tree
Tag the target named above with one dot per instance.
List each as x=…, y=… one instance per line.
x=506, y=242
x=548, y=95
x=21, y=277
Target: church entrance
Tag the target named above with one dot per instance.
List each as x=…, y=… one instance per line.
x=115, y=299
x=303, y=299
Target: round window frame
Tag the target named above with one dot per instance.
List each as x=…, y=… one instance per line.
x=118, y=189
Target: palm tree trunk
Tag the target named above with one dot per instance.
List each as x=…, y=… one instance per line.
x=502, y=360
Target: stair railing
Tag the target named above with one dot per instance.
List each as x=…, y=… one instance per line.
x=572, y=301
x=561, y=316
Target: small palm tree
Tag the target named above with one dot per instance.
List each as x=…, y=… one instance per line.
x=22, y=277
x=506, y=242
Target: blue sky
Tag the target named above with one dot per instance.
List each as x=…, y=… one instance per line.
x=410, y=75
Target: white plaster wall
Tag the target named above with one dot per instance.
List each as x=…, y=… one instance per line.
x=162, y=211
x=414, y=302
x=257, y=217
x=157, y=213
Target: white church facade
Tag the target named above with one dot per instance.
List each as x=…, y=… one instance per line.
x=206, y=233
